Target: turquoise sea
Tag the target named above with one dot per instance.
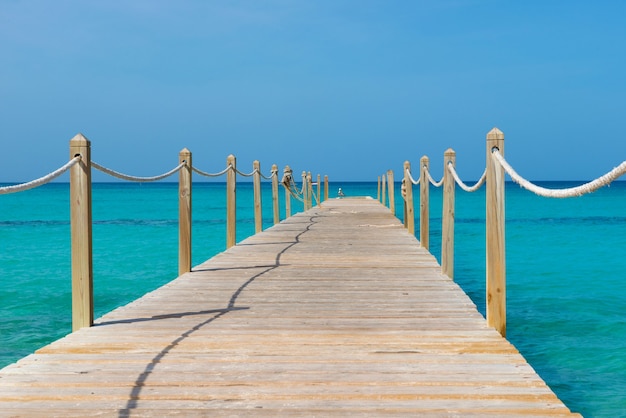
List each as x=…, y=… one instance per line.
x=566, y=263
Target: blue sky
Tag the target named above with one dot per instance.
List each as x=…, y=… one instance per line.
x=343, y=88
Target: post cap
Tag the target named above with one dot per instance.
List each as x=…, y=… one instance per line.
x=79, y=140
x=495, y=134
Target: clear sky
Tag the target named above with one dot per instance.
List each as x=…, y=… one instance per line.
x=343, y=88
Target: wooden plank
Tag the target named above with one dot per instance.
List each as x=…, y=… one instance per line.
x=336, y=311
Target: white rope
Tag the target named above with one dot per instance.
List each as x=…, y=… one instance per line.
x=289, y=184
x=412, y=179
x=293, y=187
x=205, y=174
x=316, y=199
x=40, y=181
x=245, y=174
x=299, y=193
x=432, y=180
x=274, y=174
x=463, y=186
x=135, y=178
x=295, y=194
x=592, y=186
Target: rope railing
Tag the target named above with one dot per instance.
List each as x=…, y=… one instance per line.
x=80, y=167
x=451, y=178
x=415, y=182
x=290, y=186
x=577, y=191
x=271, y=176
x=302, y=189
x=206, y=174
x=462, y=185
x=224, y=171
x=305, y=194
x=247, y=174
x=297, y=196
x=493, y=177
x=317, y=198
x=432, y=180
x=41, y=180
x=128, y=177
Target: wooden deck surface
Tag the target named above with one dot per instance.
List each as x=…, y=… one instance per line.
x=334, y=312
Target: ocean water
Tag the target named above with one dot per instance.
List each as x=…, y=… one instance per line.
x=566, y=264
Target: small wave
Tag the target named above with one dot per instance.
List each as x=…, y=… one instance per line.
x=569, y=220
x=34, y=223
x=577, y=220
x=137, y=222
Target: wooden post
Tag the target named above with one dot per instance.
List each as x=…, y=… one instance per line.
x=403, y=194
x=309, y=184
x=496, y=269
x=81, y=238
x=447, y=224
x=275, y=203
x=184, y=212
x=258, y=211
x=325, y=187
x=410, y=208
x=305, y=192
x=319, y=190
x=384, y=190
x=424, y=203
x=392, y=193
x=231, y=202
x=288, y=173
x=378, y=196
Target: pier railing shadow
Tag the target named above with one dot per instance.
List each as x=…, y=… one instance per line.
x=141, y=380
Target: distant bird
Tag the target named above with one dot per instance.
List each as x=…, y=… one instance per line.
x=340, y=193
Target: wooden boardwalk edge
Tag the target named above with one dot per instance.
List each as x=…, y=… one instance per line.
x=336, y=311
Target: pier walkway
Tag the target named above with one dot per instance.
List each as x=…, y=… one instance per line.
x=336, y=311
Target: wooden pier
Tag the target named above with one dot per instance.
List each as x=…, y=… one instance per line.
x=336, y=311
